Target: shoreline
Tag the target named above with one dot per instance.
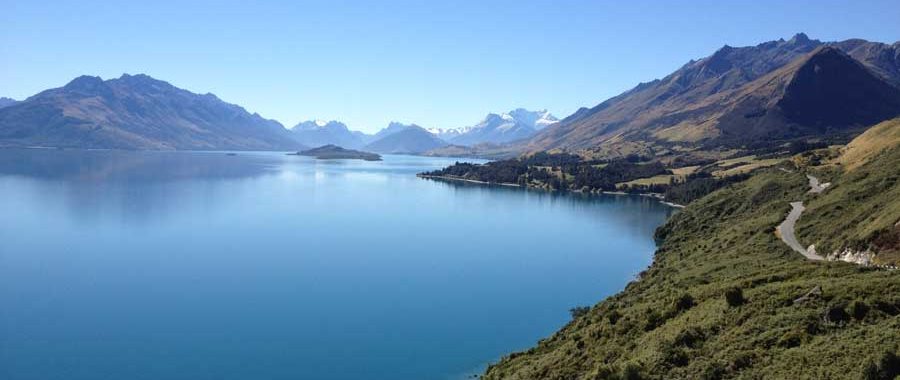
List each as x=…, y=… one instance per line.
x=451, y=178
x=657, y=196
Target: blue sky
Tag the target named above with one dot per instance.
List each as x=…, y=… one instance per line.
x=438, y=64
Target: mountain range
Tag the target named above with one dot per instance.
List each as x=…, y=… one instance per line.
x=739, y=98
x=769, y=93
x=502, y=128
x=319, y=133
x=136, y=112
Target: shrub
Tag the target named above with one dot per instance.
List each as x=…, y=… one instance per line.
x=889, y=365
x=836, y=314
x=578, y=311
x=684, y=302
x=690, y=337
x=715, y=371
x=613, y=317
x=741, y=361
x=674, y=356
x=859, y=310
x=870, y=371
x=653, y=320
x=734, y=296
x=792, y=338
x=631, y=371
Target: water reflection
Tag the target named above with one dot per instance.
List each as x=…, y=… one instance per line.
x=203, y=265
x=630, y=214
x=130, y=167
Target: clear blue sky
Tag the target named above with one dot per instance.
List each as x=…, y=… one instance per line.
x=435, y=63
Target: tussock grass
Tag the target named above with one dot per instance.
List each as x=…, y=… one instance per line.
x=725, y=243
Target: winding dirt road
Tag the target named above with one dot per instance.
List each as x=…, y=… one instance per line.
x=786, y=231
x=814, y=186
x=786, y=228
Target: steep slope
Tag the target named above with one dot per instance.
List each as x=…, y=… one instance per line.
x=319, y=133
x=825, y=92
x=883, y=59
x=411, y=139
x=724, y=298
x=506, y=127
x=870, y=144
x=725, y=92
x=869, y=227
x=136, y=112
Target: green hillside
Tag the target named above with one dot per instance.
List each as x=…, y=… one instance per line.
x=724, y=297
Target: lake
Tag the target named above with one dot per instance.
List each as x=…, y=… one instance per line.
x=202, y=265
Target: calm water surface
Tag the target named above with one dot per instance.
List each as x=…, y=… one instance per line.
x=147, y=265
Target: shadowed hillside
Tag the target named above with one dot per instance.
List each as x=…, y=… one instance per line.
x=742, y=98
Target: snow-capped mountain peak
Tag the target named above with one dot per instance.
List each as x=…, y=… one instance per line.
x=505, y=127
x=536, y=119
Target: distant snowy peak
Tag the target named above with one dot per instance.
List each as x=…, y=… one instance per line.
x=535, y=119
x=505, y=127
x=448, y=133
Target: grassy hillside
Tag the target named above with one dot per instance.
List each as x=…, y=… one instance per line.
x=861, y=211
x=724, y=297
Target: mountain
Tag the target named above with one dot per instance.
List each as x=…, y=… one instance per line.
x=399, y=138
x=535, y=119
x=447, y=134
x=318, y=133
x=137, y=112
x=393, y=127
x=6, y=102
x=738, y=96
x=505, y=127
x=883, y=59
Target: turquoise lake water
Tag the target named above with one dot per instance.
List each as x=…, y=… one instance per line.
x=190, y=265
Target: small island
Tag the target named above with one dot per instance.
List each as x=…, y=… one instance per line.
x=332, y=152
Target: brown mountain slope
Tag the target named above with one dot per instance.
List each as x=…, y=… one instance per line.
x=707, y=103
x=136, y=112
x=823, y=92
x=882, y=59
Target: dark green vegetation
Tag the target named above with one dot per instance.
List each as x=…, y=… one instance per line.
x=563, y=171
x=696, y=186
x=559, y=171
x=327, y=152
x=136, y=112
x=725, y=298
